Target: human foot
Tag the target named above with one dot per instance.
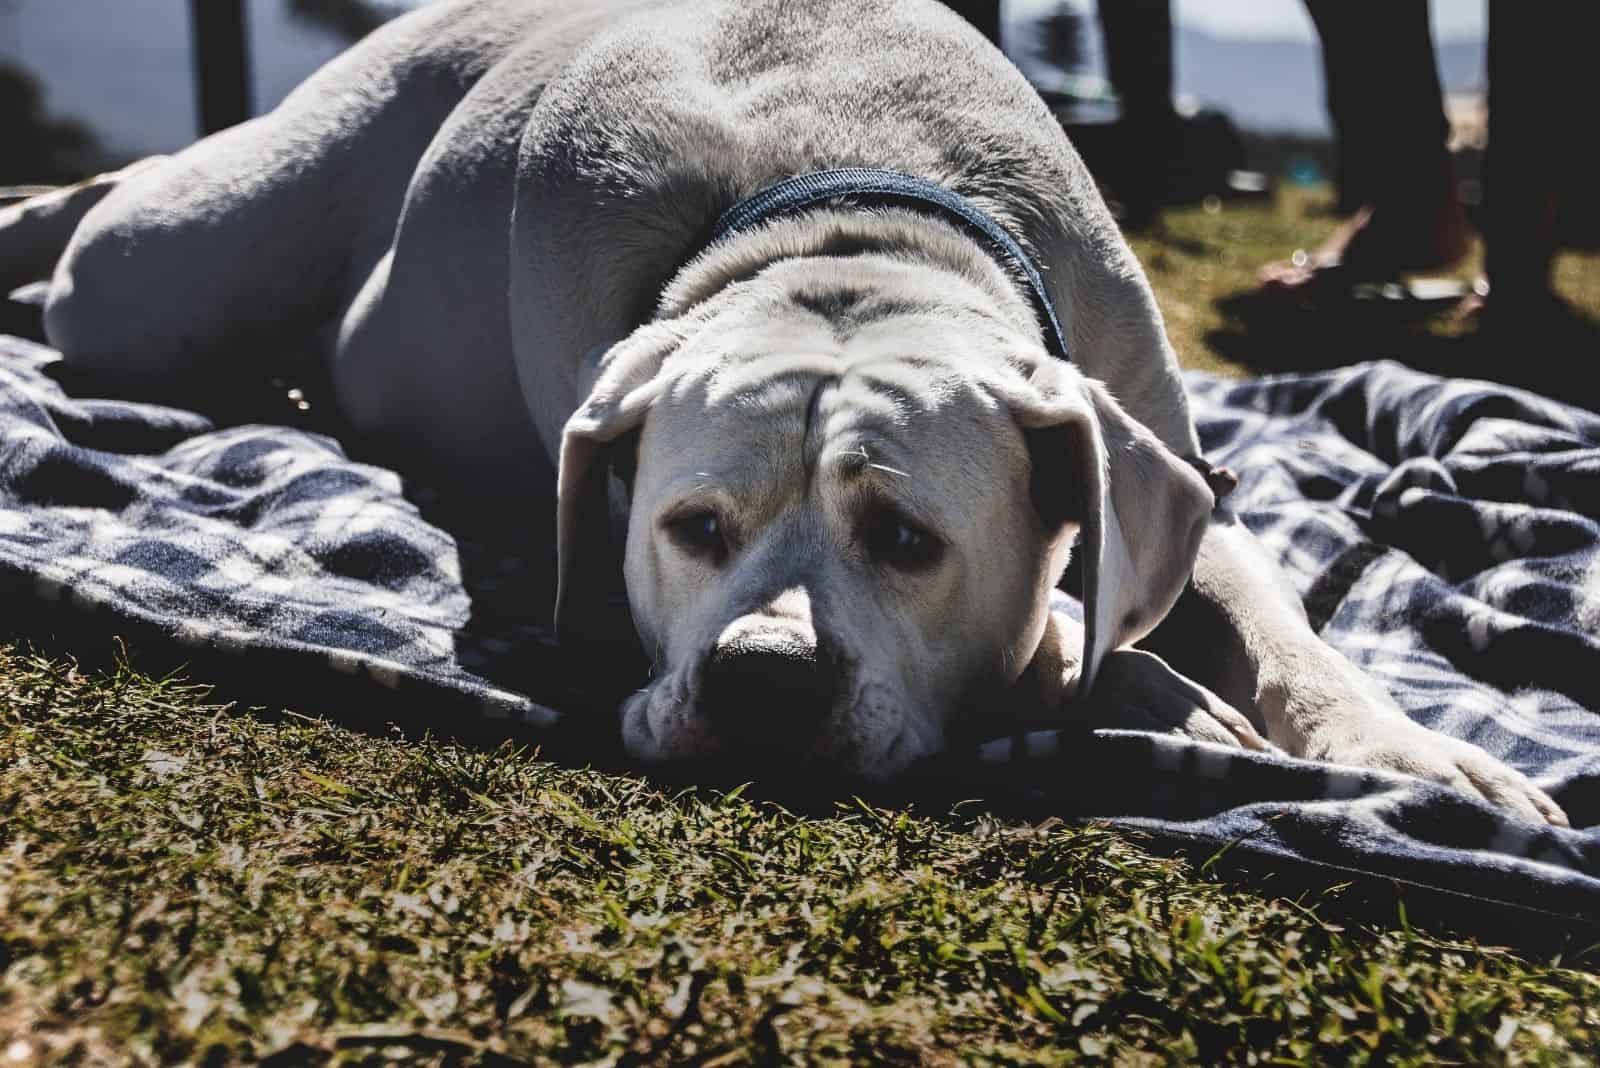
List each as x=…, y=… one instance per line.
x=1376, y=243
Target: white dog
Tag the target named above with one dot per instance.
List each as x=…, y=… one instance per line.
x=849, y=464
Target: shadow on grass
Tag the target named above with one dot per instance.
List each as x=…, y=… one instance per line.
x=1553, y=354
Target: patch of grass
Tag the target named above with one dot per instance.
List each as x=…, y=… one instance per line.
x=1198, y=255
x=182, y=881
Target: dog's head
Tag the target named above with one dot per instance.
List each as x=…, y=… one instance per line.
x=850, y=499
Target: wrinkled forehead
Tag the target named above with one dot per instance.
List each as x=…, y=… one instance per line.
x=901, y=399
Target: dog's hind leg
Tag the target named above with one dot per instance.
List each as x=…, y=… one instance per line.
x=423, y=359
x=241, y=240
x=35, y=231
x=252, y=237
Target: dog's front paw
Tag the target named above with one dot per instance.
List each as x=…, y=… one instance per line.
x=1140, y=691
x=1403, y=746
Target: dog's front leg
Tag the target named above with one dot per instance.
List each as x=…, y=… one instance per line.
x=1242, y=632
x=1135, y=690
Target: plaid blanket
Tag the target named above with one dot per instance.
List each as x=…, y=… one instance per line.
x=1444, y=534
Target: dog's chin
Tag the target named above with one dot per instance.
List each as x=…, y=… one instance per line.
x=661, y=728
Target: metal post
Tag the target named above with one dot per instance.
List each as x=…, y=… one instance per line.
x=221, y=48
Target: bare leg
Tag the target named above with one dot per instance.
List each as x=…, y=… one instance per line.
x=1395, y=172
x=1536, y=63
x=1138, y=50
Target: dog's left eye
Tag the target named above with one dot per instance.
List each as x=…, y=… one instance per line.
x=893, y=539
x=699, y=533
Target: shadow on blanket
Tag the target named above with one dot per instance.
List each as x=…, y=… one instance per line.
x=1444, y=534
x=1270, y=335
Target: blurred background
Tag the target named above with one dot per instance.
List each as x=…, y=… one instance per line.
x=87, y=82
x=1243, y=175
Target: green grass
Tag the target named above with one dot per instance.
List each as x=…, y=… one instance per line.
x=187, y=881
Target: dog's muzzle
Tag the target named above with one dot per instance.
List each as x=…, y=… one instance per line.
x=768, y=689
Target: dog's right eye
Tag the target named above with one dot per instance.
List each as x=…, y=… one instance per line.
x=895, y=540
x=699, y=533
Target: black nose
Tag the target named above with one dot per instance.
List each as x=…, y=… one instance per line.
x=766, y=691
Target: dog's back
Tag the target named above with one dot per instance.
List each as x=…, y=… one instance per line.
x=373, y=206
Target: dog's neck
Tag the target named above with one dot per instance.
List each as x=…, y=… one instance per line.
x=896, y=234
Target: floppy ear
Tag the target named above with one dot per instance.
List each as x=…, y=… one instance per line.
x=628, y=384
x=1141, y=510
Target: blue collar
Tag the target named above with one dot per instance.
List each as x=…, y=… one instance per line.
x=869, y=185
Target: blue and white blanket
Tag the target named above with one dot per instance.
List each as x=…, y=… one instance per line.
x=1444, y=534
